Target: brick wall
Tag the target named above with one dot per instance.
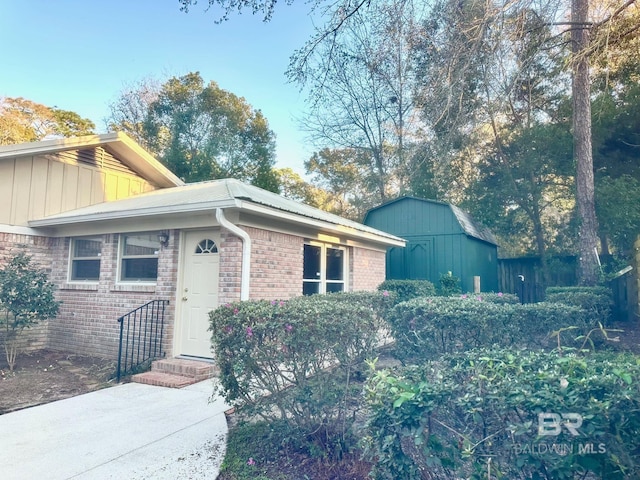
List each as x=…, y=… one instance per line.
x=33, y=338
x=367, y=268
x=230, y=267
x=87, y=322
x=276, y=264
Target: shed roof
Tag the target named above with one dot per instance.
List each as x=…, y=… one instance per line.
x=470, y=226
x=207, y=196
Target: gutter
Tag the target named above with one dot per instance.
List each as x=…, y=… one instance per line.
x=246, y=252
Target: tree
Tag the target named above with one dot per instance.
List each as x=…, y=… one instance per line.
x=359, y=93
x=129, y=111
x=293, y=186
x=200, y=132
x=339, y=172
x=26, y=298
x=22, y=120
x=477, y=41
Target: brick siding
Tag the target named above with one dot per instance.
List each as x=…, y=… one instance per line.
x=276, y=265
x=367, y=268
x=87, y=321
x=33, y=338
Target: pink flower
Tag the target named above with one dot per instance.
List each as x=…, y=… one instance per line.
x=479, y=298
x=251, y=461
x=464, y=296
x=281, y=303
x=499, y=294
x=273, y=302
x=385, y=293
x=249, y=332
x=235, y=311
x=288, y=327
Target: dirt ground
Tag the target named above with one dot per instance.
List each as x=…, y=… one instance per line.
x=45, y=376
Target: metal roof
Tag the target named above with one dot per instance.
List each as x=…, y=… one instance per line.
x=203, y=196
x=470, y=226
x=473, y=228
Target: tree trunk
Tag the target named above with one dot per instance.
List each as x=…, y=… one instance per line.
x=582, y=150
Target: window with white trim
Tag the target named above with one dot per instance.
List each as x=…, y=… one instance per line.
x=85, y=259
x=138, y=254
x=323, y=269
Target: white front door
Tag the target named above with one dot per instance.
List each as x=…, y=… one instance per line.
x=199, y=295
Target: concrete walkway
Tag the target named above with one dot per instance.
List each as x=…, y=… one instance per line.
x=130, y=431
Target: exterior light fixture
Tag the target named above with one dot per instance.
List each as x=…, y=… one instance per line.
x=163, y=238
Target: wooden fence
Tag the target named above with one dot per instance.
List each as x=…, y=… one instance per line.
x=523, y=277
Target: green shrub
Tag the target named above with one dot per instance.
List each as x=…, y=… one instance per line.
x=250, y=447
x=296, y=360
x=26, y=298
x=597, y=301
x=500, y=298
x=475, y=413
x=403, y=290
x=427, y=327
x=448, y=285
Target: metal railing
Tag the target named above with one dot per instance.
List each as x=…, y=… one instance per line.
x=141, y=335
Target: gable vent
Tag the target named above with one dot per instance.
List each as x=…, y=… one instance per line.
x=96, y=157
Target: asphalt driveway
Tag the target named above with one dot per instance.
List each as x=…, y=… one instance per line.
x=130, y=431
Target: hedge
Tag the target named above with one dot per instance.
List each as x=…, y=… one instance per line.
x=508, y=413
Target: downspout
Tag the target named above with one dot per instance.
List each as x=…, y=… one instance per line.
x=246, y=252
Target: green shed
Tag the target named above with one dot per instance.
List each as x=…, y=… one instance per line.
x=440, y=238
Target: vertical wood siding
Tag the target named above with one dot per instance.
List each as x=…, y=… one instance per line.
x=436, y=244
x=37, y=186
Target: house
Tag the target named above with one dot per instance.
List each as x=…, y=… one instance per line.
x=115, y=229
x=441, y=238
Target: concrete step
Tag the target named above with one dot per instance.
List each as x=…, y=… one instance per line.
x=176, y=373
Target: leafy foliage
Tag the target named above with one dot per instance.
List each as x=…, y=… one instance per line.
x=474, y=412
x=404, y=290
x=26, y=298
x=449, y=285
x=616, y=199
x=425, y=328
x=296, y=361
x=200, y=132
x=22, y=120
x=598, y=301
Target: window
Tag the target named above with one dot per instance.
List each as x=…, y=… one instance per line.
x=206, y=246
x=85, y=259
x=139, y=257
x=323, y=269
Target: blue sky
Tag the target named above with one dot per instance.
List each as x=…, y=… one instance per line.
x=79, y=55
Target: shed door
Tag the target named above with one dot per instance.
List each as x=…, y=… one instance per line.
x=201, y=266
x=420, y=260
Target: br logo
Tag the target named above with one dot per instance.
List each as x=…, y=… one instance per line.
x=552, y=423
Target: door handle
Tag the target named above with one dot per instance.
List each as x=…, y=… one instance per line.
x=184, y=299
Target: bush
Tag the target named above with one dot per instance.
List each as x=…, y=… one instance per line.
x=449, y=285
x=403, y=290
x=597, y=301
x=499, y=298
x=427, y=327
x=296, y=360
x=478, y=411
x=26, y=298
